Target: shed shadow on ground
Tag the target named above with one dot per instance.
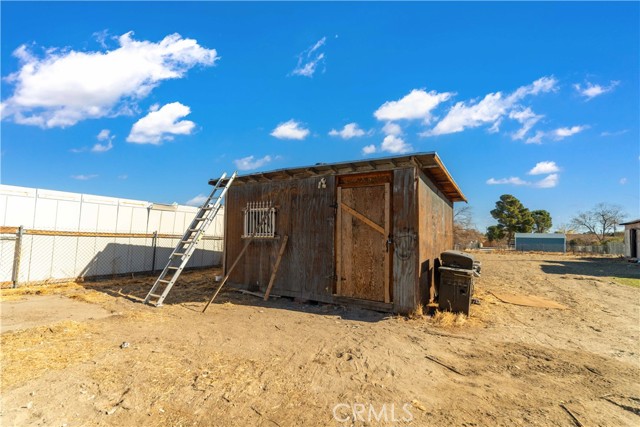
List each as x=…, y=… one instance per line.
x=592, y=266
x=196, y=286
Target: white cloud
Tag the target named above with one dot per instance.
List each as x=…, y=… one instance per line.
x=290, y=130
x=549, y=181
x=463, y=115
x=491, y=109
x=537, y=138
x=418, y=104
x=542, y=168
x=614, y=133
x=527, y=118
x=394, y=144
x=514, y=180
x=197, y=200
x=309, y=60
x=250, y=162
x=556, y=134
x=84, y=177
x=66, y=86
x=101, y=148
x=623, y=181
x=495, y=127
x=123, y=176
x=160, y=125
x=562, y=133
x=369, y=149
x=392, y=129
x=590, y=90
x=349, y=131
x=104, y=135
x=101, y=37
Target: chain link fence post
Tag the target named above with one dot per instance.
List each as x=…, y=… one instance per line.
x=154, y=245
x=16, y=257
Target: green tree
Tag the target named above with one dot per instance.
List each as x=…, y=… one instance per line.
x=512, y=216
x=495, y=233
x=541, y=221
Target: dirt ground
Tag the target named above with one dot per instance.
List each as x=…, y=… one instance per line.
x=246, y=362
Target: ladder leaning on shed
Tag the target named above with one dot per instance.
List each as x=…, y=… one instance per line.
x=187, y=245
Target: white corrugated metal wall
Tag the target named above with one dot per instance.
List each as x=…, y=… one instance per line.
x=55, y=257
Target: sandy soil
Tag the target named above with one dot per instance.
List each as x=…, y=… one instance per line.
x=282, y=363
x=29, y=312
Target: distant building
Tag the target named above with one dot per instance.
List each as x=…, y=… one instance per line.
x=631, y=240
x=542, y=242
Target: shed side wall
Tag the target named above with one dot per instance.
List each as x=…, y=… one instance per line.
x=435, y=226
x=540, y=245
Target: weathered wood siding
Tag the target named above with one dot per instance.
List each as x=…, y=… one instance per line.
x=405, y=238
x=421, y=228
x=363, y=248
x=435, y=228
x=306, y=214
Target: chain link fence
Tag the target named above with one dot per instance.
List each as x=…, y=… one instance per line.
x=610, y=248
x=47, y=256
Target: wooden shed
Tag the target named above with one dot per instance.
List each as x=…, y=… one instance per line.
x=366, y=232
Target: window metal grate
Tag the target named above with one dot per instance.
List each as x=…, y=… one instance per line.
x=259, y=220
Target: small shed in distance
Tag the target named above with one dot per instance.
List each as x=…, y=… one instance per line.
x=365, y=232
x=541, y=242
x=631, y=238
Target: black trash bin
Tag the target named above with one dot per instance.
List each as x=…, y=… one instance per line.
x=456, y=289
x=456, y=281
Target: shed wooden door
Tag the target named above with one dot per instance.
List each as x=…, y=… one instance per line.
x=362, y=230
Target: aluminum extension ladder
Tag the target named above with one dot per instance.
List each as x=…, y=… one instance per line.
x=187, y=245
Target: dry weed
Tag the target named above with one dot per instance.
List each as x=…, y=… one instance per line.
x=30, y=353
x=41, y=289
x=417, y=313
x=93, y=297
x=447, y=319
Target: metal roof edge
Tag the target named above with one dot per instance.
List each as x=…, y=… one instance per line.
x=358, y=166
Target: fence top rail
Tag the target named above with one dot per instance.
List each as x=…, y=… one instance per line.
x=14, y=230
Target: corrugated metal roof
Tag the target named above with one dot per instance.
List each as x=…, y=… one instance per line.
x=635, y=221
x=540, y=236
x=429, y=163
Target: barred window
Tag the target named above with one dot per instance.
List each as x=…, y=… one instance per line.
x=259, y=220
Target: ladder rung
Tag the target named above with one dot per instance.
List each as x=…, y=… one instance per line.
x=203, y=218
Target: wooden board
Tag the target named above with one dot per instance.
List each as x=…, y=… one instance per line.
x=275, y=267
x=305, y=213
x=363, y=242
x=405, y=294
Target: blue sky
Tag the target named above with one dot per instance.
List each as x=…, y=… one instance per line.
x=150, y=100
